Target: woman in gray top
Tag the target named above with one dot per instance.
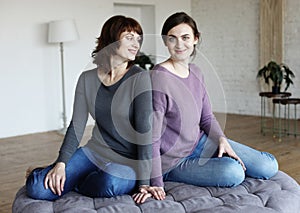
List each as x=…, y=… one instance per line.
x=117, y=94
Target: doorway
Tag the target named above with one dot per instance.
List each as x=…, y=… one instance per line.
x=145, y=15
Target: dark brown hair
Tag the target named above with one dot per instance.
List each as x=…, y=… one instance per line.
x=108, y=41
x=176, y=19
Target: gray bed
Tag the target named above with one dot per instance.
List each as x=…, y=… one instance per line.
x=279, y=194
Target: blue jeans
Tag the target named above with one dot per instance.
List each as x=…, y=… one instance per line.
x=204, y=168
x=84, y=177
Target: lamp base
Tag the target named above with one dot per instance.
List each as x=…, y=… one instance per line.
x=62, y=131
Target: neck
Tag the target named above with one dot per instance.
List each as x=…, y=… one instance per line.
x=179, y=68
x=118, y=67
x=116, y=72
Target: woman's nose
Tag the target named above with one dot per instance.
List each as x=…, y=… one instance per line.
x=179, y=43
x=136, y=43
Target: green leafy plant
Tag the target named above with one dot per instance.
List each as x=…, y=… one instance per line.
x=277, y=73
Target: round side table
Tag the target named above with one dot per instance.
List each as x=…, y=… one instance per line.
x=264, y=96
x=287, y=118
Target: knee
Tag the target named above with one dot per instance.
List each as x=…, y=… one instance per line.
x=232, y=174
x=34, y=193
x=117, y=185
x=267, y=168
x=271, y=167
x=36, y=190
x=120, y=171
x=102, y=184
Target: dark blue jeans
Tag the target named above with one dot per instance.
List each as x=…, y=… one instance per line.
x=86, y=178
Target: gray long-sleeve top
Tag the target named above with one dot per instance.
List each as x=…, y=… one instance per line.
x=123, y=124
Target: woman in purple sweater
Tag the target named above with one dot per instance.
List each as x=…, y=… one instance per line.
x=188, y=144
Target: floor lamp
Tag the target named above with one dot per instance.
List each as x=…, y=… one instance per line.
x=61, y=31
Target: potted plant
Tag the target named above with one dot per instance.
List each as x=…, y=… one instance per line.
x=143, y=61
x=277, y=73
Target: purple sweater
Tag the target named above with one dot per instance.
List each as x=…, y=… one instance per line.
x=182, y=114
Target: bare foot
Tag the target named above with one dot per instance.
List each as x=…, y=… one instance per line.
x=30, y=169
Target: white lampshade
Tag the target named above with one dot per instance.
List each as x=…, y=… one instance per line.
x=62, y=31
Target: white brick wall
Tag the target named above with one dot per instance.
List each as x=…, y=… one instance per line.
x=230, y=40
x=292, y=42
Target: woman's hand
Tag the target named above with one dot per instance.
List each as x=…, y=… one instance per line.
x=149, y=191
x=55, y=179
x=224, y=147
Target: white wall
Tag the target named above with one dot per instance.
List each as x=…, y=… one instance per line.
x=30, y=87
x=230, y=41
x=292, y=42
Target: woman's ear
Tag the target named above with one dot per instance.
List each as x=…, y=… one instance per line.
x=196, y=40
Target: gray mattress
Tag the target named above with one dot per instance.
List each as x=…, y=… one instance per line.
x=279, y=194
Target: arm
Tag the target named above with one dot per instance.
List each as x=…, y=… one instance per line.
x=156, y=189
x=212, y=128
x=157, y=185
x=56, y=177
x=77, y=125
x=143, y=127
x=144, y=112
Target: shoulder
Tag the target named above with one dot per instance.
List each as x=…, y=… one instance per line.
x=139, y=72
x=138, y=77
x=88, y=73
x=134, y=69
x=88, y=78
x=196, y=71
x=164, y=66
x=159, y=69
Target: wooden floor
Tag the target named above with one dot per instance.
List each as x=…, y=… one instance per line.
x=17, y=153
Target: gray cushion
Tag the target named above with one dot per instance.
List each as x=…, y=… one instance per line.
x=279, y=194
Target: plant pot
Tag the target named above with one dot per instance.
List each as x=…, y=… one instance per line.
x=275, y=89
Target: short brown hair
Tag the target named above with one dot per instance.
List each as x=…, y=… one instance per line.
x=108, y=41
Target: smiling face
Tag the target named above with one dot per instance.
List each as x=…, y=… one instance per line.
x=180, y=41
x=129, y=46
x=111, y=44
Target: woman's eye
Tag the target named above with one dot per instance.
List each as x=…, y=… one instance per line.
x=185, y=38
x=171, y=39
x=129, y=38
